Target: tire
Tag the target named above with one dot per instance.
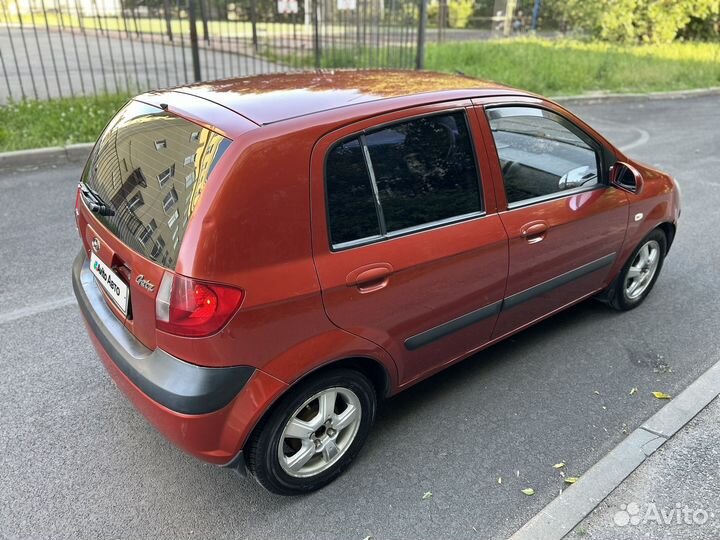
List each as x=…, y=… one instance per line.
x=621, y=295
x=291, y=459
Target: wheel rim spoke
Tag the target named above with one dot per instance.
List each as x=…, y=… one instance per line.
x=302, y=456
x=299, y=429
x=345, y=418
x=633, y=272
x=330, y=450
x=327, y=405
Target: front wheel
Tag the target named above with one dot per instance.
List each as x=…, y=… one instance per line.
x=314, y=433
x=639, y=274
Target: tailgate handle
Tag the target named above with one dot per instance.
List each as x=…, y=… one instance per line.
x=369, y=278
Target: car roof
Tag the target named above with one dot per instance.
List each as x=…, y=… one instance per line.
x=266, y=99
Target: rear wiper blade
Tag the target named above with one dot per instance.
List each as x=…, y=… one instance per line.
x=94, y=202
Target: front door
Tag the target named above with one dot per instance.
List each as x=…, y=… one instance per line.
x=565, y=224
x=408, y=247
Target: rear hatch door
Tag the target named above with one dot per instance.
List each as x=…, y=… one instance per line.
x=143, y=180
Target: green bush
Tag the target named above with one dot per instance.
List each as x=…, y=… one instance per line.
x=633, y=21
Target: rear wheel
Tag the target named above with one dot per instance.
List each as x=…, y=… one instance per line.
x=314, y=433
x=639, y=274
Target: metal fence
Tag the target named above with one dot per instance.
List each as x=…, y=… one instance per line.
x=61, y=48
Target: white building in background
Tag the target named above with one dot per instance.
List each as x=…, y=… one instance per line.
x=87, y=7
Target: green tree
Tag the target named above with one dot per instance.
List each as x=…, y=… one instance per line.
x=645, y=21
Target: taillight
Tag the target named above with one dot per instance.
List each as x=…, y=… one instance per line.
x=188, y=307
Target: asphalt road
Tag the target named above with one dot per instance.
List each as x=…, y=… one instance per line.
x=78, y=461
x=42, y=64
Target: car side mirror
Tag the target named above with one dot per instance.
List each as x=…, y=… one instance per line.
x=626, y=177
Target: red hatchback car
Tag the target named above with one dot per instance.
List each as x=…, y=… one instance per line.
x=264, y=259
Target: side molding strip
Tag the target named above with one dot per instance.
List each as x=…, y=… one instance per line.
x=442, y=330
x=553, y=283
x=428, y=336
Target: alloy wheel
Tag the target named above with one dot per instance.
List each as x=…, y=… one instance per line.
x=319, y=432
x=642, y=270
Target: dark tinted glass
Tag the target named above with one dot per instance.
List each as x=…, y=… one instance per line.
x=538, y=154
x=351, y=204
x=425, y=170
x=152, y=168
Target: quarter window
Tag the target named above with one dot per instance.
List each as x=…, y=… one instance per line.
x=410, y=174
x=352, y=212
x=541, y=153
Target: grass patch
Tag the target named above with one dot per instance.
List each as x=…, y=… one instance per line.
x=345, y=57
x=34, y=124
x=555, y=68
x=566, y=67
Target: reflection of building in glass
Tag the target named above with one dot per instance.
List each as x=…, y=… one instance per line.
x=153, y=167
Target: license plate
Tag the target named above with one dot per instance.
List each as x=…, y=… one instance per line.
x=110, y=282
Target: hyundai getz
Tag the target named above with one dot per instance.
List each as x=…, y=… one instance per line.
x=265, y=259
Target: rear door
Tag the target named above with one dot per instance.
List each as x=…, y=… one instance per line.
x=565, y=224
x=409, y=249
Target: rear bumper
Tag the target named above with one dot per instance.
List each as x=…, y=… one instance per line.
x=208, y=412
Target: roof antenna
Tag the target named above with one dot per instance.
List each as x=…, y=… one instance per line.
x=164, y=106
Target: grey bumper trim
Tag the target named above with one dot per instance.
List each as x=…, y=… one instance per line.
x=171, y=382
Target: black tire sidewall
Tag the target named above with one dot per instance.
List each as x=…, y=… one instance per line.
x=620, y=300
x=263, y=456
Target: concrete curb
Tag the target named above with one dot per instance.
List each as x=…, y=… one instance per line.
x=53, y=155
x=597, y=97
x=562, y=514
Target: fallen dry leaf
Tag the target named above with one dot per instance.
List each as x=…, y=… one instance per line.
x=661, y=395
x=570, y=479
x=427, y=495
x=559, y=465
x=499, y=479
x=528, y=491
x=633, y=390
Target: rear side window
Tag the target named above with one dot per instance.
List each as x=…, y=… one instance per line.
x=409, y=175
x=152, y=167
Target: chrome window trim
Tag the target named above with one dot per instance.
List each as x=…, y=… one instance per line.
x=408, y=231
x=554, y=196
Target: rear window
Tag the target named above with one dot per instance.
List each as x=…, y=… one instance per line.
x=152, y=167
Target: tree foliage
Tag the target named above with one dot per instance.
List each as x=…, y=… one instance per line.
x=458, y=13
x=628, y=21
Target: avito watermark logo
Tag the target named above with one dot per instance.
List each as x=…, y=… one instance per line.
x=633, y=514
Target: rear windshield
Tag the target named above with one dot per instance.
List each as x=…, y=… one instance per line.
x=151, y=167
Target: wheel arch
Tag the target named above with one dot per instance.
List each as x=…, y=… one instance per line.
x=372, y=368
x=669, y=229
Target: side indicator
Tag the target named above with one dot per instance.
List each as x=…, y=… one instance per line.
x=639, y=216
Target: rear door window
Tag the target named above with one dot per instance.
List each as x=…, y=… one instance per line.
x=412, y=174
x=151, y=167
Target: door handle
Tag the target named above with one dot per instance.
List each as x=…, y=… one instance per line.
x=370, y=278
x=534, y=231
